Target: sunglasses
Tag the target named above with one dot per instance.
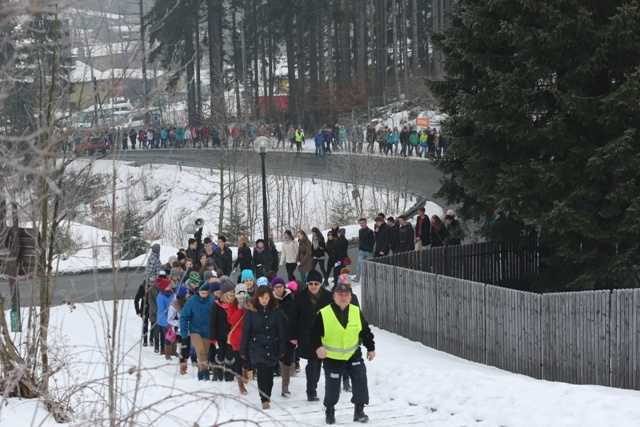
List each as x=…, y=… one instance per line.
x=314, y=283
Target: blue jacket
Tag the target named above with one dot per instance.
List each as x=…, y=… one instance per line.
x=263, y=337
x=318, y=139
x=194, y=318
x=163, y=307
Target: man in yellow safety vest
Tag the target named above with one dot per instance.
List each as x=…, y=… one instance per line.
x=336, y=334
x=299, y=136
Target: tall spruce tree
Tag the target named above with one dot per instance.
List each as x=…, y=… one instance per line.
x=543, y=108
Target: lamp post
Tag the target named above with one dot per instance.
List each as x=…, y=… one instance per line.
x=261, y=145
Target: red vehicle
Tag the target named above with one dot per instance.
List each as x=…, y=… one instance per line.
x=92, y=146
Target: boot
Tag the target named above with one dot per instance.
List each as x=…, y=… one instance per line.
x=346, y=385
x=174, y=349
x=144, y=341
x=330, y=415
x=167, y=352
x=204, y=375
x=286, y=379
x=199, y=375
x=266, y=405
x=359, y=415
x=243, y=390
x=297, y=367
x=245, y=375
x=183, y=368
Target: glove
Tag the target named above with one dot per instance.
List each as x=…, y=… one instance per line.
x=298, y=263
x=337, y=264
x=242, y=303
x=234, y=270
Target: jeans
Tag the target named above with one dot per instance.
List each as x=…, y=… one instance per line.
x=423, y=151
x=362, y=256
x=319, y=151
x=291, y=267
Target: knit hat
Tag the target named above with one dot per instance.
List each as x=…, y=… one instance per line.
x=209, y=274
x=204, y=287
x=214, y=286
x=451, y=212
x=162, y=273
x=262, y=281
x=181, y=256
x=182, y=291
x=241, y=289
x=172, y=259
x=345, y=278
x=342, y=231
x=314, y=276
x=210, y=262
x=247, y=274
x=194, y=278
x=163, y=283
x=292, y=285
x=226, y=287
x=174, y=272
x=156, y=248
x=341, y=287
x=277, y=281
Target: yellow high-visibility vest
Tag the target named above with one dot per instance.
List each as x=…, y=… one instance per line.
x=341, y=343
x=299, y=136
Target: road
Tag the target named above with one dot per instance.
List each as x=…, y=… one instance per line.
x=423, y=181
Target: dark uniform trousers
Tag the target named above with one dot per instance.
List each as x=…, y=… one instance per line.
x=333, y=383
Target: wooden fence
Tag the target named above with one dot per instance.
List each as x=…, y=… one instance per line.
x=590, y=337
x=487, y=262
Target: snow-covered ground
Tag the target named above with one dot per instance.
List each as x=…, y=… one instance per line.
x=409, y=384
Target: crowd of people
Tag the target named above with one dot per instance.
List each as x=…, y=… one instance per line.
x=260, y=325
x=384, y=140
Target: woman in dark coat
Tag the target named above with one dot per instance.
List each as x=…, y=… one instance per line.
x=219, y=329
x=439, y=233
x=141, y=303
x=331, y=248
x=303, y=258
x=317, y=252
x=244, y=259
x=263, y=339
x=342, y=245
x=285, y=297
x=275, y=256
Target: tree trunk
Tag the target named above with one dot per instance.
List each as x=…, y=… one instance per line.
x=236, y=67
x=405, y=46
x=344, y=52
x=414, y=38
x=198, y=68
x=361, y=43
x=301, y=65
x=291, y=66
x=313, y=56
x=256, y=32
x=191, y=87
x=215, y=11
x=396, y=60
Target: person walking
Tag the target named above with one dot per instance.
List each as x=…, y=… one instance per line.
x=194, y=324
x=406, y=238
x=317, y=253
x=423, y=231
x=289, y=255
x=366, y=243
x=306, y=304
x=285, y=297
x=303, y=258
x=263, y=339
x=336, y=335
x=141, y=304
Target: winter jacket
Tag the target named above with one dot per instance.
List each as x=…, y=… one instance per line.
x=406, y=238
x=392, y=231
x=342, y=246
x=382, y=241
x=243, y=262
x=303, y=311
x=274, y=259
x=219, y=327
x=260, y=261
x=263, y=339
x=439, y=237
x=317, y=248
x=423, y=230
x=154, y=266
x=318, y=140
x=224, y=260
x=235, y=316
x=152, y=298
x=316, y=332
x=163, y=301
x=195, y=316
x=141, y=301
x=304, y=256
x=455, y=233
x=333, y=250
x=366, y=239
x=289, y=253
x=173, y=317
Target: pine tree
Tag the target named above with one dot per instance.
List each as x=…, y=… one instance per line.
x=542, y=99
x=130, y=239
x=236, y=225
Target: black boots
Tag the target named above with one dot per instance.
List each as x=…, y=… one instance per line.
x=204, y=375
x=359, y=415
x=330, y=415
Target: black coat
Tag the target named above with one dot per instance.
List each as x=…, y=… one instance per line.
x=343, y=246
x=244, y=258
x=224, y=260
x=275, y=260
x=406, y=238
x=219, y=327
x=303, y=312
x=263, y=335
x=319, y=252
x=141, y=301
x=392, y=231
x=332, y=250
x=260, y=262
x=382, y=241
x=425, y=232
x=366, y=239
x=439, y=237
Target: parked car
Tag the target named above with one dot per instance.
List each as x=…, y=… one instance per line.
x=91, y=146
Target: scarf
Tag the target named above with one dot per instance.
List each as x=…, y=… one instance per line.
x=259, y=250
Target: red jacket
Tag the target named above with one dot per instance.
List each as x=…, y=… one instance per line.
x=235, y=317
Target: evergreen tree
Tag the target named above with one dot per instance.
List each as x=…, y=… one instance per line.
x=236, y=225
x=542, y=99
x=130, y=239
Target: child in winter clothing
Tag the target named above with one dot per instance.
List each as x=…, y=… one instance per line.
x=173, y=320
x=235, y=317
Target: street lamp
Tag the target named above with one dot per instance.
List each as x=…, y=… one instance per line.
x=262, y=145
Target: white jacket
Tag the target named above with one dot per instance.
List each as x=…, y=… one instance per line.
x=289, y=252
